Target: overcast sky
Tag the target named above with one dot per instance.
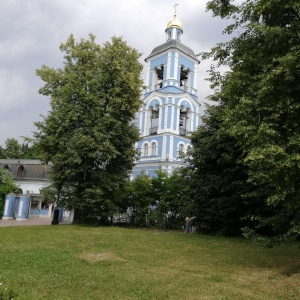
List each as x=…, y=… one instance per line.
x=32, y=30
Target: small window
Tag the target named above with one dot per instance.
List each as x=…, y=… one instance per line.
x=145, y=149
x=153, y=148
x=34, y=204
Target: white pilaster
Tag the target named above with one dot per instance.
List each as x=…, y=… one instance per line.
x=178, y=119
x=169, y=65
x=191, y=122
x=20, y=209
x=141, y=121
x=148, y=74
x=172, y=119
x=6, y=207
x=176, y=65
x=166, y=118
x=164, y=143
x=144, y=116
x=159, y=119
x=195, y=76
x=171, y=148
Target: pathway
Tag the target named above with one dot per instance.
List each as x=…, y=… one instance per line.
x=29, y=222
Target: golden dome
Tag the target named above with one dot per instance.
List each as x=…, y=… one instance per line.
x=174, y=23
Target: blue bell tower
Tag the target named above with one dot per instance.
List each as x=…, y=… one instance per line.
x=171, y=108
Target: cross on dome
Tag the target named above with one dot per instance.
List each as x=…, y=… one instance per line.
x=176, y=4
x=175, y=22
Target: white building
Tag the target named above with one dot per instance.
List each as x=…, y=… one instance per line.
x=30, y=176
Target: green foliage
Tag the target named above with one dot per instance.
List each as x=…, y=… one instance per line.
x=2, y=152
x=88, y=134
x=31, y=151
x=49, y=194
x=216, y=177
x=161, y=201
x=171, y=193
x=13, y=149
x=138, y=197
x=260, y=100
x=6, y=186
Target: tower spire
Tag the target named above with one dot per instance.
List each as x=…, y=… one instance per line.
x=175, y=5
x=175, y=23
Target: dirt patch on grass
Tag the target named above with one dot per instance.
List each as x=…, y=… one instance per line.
x=97, y=257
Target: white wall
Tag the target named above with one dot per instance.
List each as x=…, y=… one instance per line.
x=33, y=186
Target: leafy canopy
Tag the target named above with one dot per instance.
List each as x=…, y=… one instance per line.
x=260, y=99
x=89, y=134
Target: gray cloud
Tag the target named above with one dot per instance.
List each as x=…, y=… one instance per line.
x=32, y=30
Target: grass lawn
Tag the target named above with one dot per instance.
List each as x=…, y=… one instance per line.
x=74, y=262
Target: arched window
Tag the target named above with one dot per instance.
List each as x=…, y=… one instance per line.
x=183, y=120
x=21, y=171
x=145, y=150
x=153, y=148
x=154, y=119
x=159, y=76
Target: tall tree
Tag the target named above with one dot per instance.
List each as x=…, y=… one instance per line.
x=218, y=179
x=88, y=134
x=261, y=96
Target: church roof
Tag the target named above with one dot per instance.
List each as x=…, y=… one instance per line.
x=26, y=169
x=173, y=44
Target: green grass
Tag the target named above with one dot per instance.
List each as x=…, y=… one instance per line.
x=73, y=262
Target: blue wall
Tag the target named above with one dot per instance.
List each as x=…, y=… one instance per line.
x=162, y=60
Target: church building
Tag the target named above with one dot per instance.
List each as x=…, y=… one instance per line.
x=171, y=107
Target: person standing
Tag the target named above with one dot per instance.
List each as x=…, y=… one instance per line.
x=187, y=225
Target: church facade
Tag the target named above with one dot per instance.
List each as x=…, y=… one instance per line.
x=171, y=108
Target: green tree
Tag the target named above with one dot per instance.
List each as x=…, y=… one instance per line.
x=13, y=149
x=173, y=204
x=31, y=151
x=89, y=134
x=2, y=152
x=218, y=179
x=138, y=197
x=260, y=95
x=6, y=186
